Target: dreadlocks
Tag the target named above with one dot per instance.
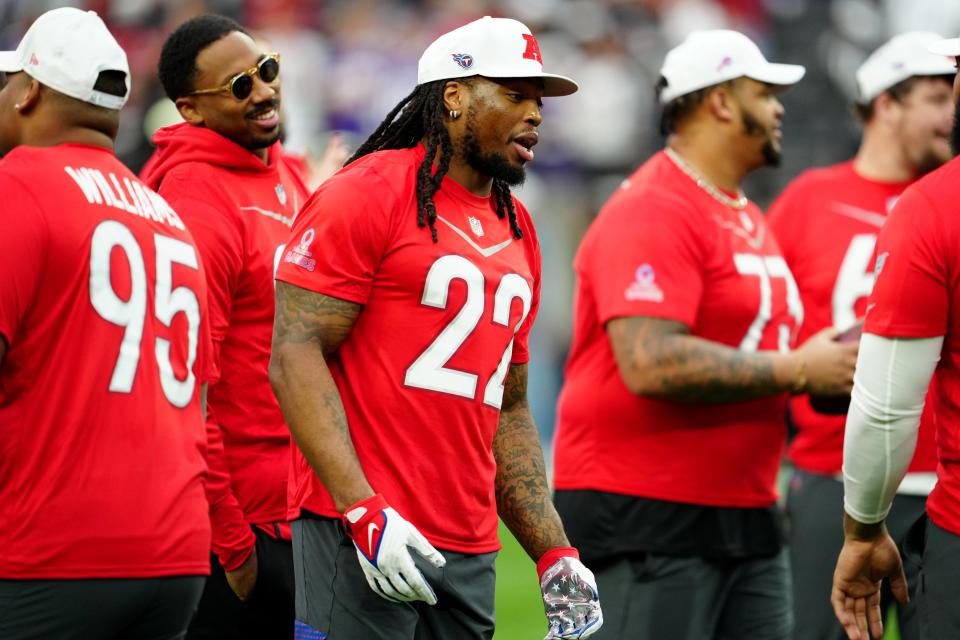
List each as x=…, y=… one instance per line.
x=418, y=117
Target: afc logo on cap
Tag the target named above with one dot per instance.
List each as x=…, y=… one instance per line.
x=532, y=51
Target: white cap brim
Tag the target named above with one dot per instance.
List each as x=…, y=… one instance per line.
x=10, y=62
x=778, y=74
x=553, y=84
x=946, y=47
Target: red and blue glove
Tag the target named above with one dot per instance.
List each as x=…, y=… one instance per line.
x=381, y=537
x=569, y=595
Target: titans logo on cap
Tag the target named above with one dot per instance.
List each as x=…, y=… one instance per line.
x=465, y=60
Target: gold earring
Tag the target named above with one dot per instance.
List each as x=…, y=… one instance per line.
x=454, y=114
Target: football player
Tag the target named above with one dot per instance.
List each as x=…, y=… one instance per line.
x=224, y=171
x=670, y=422
x=104, y=347
x=910, y=338
x=826, y=222
x=400, y=361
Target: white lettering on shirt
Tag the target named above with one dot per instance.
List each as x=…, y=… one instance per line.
x=130, y=196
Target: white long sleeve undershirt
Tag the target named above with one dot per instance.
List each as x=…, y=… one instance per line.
x=889, y=388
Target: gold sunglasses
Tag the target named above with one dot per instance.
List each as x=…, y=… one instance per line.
x=241, y=85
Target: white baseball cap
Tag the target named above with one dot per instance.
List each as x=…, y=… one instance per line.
x=903, y=56
x=493, y=48
x=946, y=47
x=707, y=58
x=66, y=49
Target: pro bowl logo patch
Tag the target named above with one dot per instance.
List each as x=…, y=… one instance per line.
x=465, y=60
x=301, y=255
x=644, y=286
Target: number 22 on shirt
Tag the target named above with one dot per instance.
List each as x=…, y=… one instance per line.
x=429, y=370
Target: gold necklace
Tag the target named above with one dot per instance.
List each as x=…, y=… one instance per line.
x=734, y=203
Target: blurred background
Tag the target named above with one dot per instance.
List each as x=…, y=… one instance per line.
x=346, y=63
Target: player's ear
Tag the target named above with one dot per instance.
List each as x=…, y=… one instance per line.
x=29, y=97
x=885, y=107
x=721, y=102
x=187, y=106
x=456, y=97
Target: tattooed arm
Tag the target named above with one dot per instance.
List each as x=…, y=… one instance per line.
x=308, y=328
x=523, y=497
x=658, y=358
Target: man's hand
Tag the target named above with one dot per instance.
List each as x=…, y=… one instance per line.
x=868, y=556
x=569, y=595
x=329, y=163
x=829, y=364
x=244, y=578
x=381, y=537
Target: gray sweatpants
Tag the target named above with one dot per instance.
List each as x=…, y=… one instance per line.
x=815, y=508
x=937, y=551
x=333, y=597
x=652, y=597
x=104, y=608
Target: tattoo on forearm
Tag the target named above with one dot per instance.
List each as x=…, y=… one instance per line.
x=308, y=328
x=523, y=497
x=678, y=366
x=304, y=316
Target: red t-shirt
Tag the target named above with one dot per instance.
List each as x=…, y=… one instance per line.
x=663, y=247
x=421, y=372
x=102, y=441
x=826, y=222
x=240, y=211
x=917, y=295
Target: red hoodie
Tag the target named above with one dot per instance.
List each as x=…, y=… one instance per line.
x=239, y=211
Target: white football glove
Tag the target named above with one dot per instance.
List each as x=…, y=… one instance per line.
x=569, y=595
x=381, y=537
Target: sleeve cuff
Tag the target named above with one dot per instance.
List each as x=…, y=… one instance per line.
x=232, y=558
x=547, y=559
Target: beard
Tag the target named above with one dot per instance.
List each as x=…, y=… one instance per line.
x=262, y=141
x=494, y=164
x=955, y=132
x=752, y=127
x=931, y=161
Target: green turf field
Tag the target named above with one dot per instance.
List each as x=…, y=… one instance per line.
x=519, y=607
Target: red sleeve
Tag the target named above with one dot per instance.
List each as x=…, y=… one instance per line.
x=910, y=298
x=644, y=258
x=233, y=539
x=339, y=238
x=521, y=342
x=220, y=242
x=23, y=247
